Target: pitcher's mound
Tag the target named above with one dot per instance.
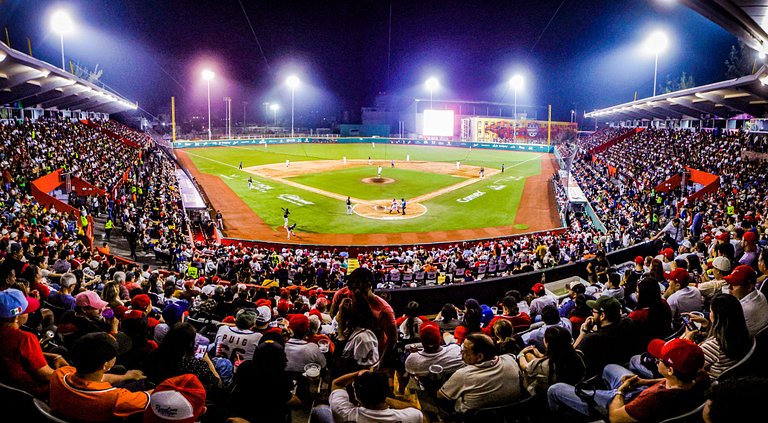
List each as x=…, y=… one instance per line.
x=379, y=210
x=375, y=180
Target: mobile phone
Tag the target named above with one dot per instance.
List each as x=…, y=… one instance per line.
x=200, y=352
x=688, y=323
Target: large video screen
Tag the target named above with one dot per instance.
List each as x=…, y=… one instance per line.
x=438, y=123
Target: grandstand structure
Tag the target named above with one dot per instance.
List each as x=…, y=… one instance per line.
x=32, y=88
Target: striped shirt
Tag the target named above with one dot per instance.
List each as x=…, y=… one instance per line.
x=715, y=360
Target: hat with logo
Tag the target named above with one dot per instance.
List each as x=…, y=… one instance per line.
x=172, y=314
x=682, y=355
x=678, y=275
x=538, y=287
x=742, y=275
x=246, y=317
x=606, y=304
x=722, y=264
x=263, y=314
x=180, y=399
x=89, y=299
x=14, y=303
x=723, y=236
x=639, y=260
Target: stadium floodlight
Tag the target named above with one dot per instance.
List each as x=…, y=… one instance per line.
x=432, y=84
x=208, y=76
x=293, y=82
x=656, y=43
x=516, y=83
x=61, y=22
x=274, y=107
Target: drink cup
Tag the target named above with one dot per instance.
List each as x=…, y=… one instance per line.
x=435, y=372
x=312, y=371
x=324, y=345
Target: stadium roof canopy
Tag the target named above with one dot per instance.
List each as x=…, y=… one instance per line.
x=727, y=99
x=746, y=19
x=31, y=83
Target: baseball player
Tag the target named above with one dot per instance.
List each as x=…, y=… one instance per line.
x=285, y=216
x=379, y=173
x=402, y=205
x=287, y=163
x=393, y=163
x=393, y=207
x=290, y=230
x=241, y=165
x=250, y=183
x=458, y=164
x=369, y=160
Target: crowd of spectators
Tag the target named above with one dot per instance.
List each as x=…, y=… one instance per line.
x=201, y=340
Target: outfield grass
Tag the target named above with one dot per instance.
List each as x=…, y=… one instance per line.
x=408, y=183
x=496, y=206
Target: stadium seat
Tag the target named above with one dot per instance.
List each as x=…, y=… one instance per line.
x=492, y=266
x=21, y=402
x=44, y=411
x=481, y=269
x=458, y=274
x=517, y=412
x=395, y=278
x=407, y=278
x=419, y=277
x=431, y=278
x=742, y=367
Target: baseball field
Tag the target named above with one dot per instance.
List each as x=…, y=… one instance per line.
x=450, y=193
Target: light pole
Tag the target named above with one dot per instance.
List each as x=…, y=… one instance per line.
x=62, y=23
x=266, y=111
x=656, y=43
x=245, y=103
x=274, y=108
x=432, y=84
x=292, y=82
x=516, y=83
x=228, y=114
x=208, y=75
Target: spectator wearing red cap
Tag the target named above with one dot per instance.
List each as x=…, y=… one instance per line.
x=297, y=349
x=667, y=256
x=448, y=357
x=742, y=286
x=679, y=362
x=540, y=300
x=23, y=364
x=681, y=296
x=749, y=244
x=180, y=399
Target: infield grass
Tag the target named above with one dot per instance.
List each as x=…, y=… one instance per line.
x=490, y=202
x=408, y=183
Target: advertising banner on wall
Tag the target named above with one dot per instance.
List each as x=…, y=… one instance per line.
x=526, y=131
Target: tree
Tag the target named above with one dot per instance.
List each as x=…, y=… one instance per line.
x=670, y=85
x=740, y=61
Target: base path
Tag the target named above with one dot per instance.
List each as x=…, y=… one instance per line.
x=537, y=210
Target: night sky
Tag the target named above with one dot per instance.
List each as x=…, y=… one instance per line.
x=590, y=55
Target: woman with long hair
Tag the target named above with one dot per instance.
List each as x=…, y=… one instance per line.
x=409, y=328
x=762, y=267
x=727, y=339
x=506, y=341
x=176, y=356
x=657, y=271
x=652, y=315
x=361, y=350
x=559, y=363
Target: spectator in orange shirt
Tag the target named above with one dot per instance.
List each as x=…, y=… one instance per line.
x=85, y=393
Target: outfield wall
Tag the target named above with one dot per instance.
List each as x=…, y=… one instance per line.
x=534, y=148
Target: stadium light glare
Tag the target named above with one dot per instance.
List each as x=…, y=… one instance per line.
x=516, y=82
x=208, y=76
x=61, y=22
x=656, y=43
x=274, y=107
x=292, y=82
x=432, y=84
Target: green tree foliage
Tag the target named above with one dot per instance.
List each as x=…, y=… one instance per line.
x=740, y=61
x=684, y=81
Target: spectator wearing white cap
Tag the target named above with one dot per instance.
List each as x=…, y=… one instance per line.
x=180, y=399
x=720, y=267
